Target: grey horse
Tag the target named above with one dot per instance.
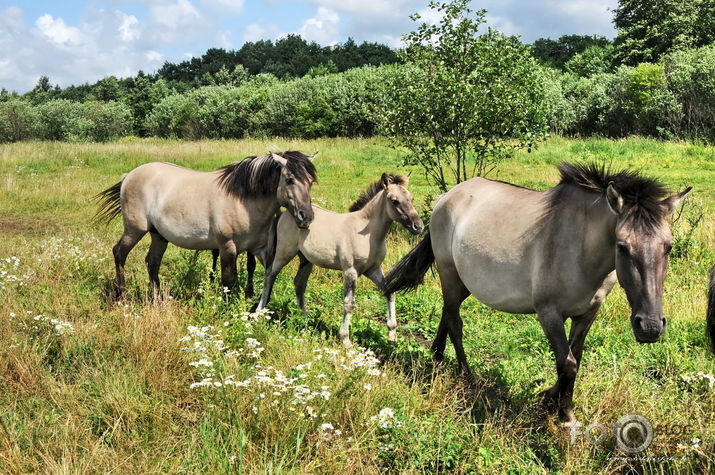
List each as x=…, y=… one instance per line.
x=556, y=253
x=231, y=209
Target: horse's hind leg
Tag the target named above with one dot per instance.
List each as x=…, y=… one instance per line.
x=301, y=280
x=379, y=279
x=120, y=251
x=250, y=269
x=153, y=262
x=349, y=280
x=454, y=293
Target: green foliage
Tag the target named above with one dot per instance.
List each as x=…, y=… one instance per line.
x=464, y=101
x=593, y=60
x=17, y=120
x=691, y=81
x=649, y=29
x=60, y=119
x=556, y=53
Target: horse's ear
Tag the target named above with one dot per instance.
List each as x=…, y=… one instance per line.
x=672, y=202
x=405, y=181
x=312, y=157
x=614, y=198
x=385, y=179
x=279, y=159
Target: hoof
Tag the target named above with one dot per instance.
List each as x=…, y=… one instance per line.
x=347, y=343
x=392, y=337
x=548, y=401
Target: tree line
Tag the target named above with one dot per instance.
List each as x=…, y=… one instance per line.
x=654, y=78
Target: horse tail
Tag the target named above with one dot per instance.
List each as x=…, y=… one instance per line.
x=711, y=310
x=410, y=271
x=110, y=205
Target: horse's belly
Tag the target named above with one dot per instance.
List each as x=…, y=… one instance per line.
x=189, y=234
x=502, y=287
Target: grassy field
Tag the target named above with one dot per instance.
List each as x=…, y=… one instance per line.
x=88, y=386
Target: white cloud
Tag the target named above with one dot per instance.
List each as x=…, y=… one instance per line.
x=128, y=30
x=154, y=56
x=57, y=32
x=255, y=32
x=323, y=28
x=175, y=16
x=225, y=5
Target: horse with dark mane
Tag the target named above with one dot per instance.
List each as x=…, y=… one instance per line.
x=555, y=253
x=231, y=209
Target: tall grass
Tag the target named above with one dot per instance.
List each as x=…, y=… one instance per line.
x=107, y=387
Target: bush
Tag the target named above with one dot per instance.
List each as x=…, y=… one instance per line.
x=17, y=120
x=107, y=120
x=690, y=76
x=60, y=119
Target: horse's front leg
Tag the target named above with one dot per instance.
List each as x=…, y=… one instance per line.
x=300, y=282
x=349, y=280
x=250, y=269
x=560, y=396
x=379, y=279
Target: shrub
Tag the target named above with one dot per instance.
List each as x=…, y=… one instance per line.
x=60, y=119
x=17, y=120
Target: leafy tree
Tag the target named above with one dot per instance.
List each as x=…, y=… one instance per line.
x=556, y=53
x=107, y=89
x=593, y=60
x=648, y=29
x=464, y=101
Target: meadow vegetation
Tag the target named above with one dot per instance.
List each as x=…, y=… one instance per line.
x=199, y=384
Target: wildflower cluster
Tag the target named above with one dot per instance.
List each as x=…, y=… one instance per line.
x=206, y=343
x=385, y=419
x=699, y=381
x=387, y=426
x=351, y=359
x=11, y=272
x=688, y=447
x=40, y=324
x=74, y=250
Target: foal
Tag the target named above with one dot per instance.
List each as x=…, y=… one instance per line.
x=352, y=242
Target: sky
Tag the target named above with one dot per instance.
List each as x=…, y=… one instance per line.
x=74, y=42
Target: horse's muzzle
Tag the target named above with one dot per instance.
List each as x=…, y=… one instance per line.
x=302, y=219
x=649, y=328
x=415, y=227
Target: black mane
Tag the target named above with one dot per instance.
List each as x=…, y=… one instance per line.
x=373, y=190
x=259, y=175
x=641, y=195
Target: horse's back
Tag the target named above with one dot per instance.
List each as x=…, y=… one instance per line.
x=486, y=230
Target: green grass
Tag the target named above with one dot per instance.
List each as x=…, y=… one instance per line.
x=113, y=395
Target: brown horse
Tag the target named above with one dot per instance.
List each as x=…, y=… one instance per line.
x=352, y=242
x=552, y=253
x=231, y=209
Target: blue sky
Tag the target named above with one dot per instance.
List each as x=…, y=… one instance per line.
x=77, y=41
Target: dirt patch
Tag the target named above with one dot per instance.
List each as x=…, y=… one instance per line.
x=13, y=225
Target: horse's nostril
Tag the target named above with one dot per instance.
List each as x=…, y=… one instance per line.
x=664, y=322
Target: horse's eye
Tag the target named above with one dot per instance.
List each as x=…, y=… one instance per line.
x=290, y=181
x=395, y=202
x=668, y=247
x=622, y=248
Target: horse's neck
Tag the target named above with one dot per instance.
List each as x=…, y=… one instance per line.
x=599, y=234
x=376, y=215
x=267, y=206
